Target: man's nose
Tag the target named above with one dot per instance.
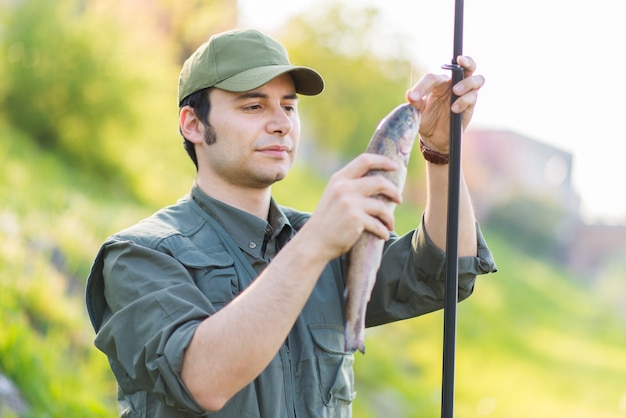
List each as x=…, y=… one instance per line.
x=280, y=122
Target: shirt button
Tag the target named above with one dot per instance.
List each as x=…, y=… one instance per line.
x=252, y=245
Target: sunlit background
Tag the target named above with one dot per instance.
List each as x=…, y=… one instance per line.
x=89, y=144
x=552, y=70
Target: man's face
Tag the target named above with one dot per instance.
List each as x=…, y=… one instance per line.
x=257, y=134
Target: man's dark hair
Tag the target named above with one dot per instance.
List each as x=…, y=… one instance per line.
x=201, y=105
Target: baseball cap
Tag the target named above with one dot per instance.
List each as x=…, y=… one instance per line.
x=242, y=60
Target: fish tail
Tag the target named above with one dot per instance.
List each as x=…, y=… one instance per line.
x=354, y=329
x=353, y=341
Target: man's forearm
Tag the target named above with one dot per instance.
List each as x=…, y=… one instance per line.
x=435, y=217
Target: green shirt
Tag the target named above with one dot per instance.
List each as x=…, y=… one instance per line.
x=152, y=284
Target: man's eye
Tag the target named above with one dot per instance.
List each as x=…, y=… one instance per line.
x=252, y=107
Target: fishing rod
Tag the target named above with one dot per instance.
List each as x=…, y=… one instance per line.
x=452, y=232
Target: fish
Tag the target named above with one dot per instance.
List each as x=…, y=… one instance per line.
x=393, y=137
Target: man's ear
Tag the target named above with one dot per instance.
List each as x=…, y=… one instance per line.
x=190, y=126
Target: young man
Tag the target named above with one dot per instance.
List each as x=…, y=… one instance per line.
x=227, y=302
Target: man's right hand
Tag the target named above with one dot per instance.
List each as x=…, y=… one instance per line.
x=348, y=206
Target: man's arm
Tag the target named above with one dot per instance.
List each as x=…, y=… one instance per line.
x=431, y=95
x=435, y=214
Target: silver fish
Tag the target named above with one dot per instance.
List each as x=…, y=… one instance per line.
x=394, y=138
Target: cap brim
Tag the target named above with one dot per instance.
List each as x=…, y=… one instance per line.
x=307, y=81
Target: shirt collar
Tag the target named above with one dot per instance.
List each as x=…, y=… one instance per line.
x=249, y=232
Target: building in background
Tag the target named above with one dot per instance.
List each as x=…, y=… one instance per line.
x=526, y=186
x=501, y=166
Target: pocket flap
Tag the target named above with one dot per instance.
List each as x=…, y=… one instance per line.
x=194, y=258
x=329, y=338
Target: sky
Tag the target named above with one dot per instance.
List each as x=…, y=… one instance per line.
x=554, y=72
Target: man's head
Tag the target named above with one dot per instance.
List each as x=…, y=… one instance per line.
x=238, y=61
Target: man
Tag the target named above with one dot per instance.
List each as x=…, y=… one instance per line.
x=230, y=303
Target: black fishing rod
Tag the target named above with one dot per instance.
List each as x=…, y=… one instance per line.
x=452, y=232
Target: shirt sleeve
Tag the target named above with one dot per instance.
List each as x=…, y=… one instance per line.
x=411, y=278
x=152, y=310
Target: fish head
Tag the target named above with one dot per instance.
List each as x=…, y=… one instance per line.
x=400, y=127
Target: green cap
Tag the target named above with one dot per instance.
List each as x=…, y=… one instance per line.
x=243, y=60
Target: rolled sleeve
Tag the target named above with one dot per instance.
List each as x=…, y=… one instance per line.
x=153, y=310
x=430, y=260
x=411, y=278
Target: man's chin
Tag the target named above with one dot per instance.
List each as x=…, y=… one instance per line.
x=268, y=181
x=280, y=177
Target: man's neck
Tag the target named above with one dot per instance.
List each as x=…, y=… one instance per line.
x=252, y=200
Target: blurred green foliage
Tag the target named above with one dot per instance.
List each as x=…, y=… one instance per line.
x=48, y=230
x=63, y=83
x=95, y=82
x=89, y=145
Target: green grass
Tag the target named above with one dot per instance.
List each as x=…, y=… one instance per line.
x=533, y=341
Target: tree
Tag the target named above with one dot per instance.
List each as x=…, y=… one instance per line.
x=94, y=81
x=365, y=68
x=62, y=84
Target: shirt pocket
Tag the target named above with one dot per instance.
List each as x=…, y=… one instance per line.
x=213, y=271
x=334, y=365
